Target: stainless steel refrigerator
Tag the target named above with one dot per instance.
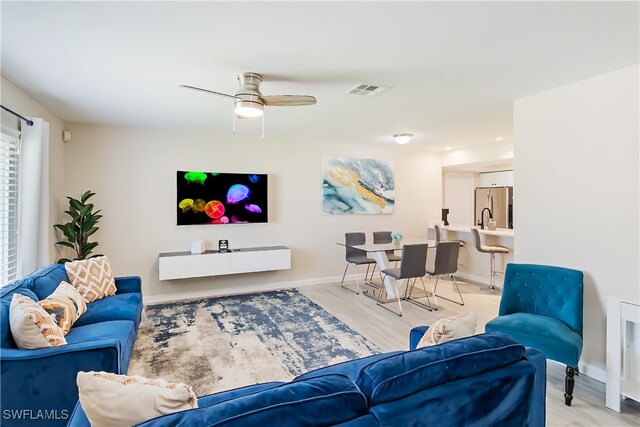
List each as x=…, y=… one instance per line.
x=499, y=200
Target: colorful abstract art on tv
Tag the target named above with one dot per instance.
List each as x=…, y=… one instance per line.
x=221, y=198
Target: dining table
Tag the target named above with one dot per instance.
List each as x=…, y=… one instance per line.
x=379, y=253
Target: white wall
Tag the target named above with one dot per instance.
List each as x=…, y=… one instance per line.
x=17, y=100
x=497, y=152
x=458, y=197
x=576, y=167
x=133, y=173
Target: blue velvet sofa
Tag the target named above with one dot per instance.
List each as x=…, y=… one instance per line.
x=39, y=386
x=485, y=380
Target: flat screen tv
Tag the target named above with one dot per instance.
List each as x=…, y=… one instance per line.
x=221, y=198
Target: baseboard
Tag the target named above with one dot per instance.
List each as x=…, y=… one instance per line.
x=587, y=370
x=263, y=287
x=594, y=372
x=473, y=278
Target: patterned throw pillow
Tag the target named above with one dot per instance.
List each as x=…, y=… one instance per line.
x=92, y=278
x=449, y=329
x=121, y=400
x=31, y=326
x=65, y=305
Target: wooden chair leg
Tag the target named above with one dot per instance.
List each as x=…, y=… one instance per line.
x=568, y=385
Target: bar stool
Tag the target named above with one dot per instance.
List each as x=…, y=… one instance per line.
x=491, y=250
x=439, y=236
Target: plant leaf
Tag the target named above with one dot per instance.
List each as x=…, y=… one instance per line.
x=76, y=204
x=86, y=196
x=87, y=249
x=88, y=225
x=91, y=231
x=67, y=244
x=68, y=231
x=86, y=209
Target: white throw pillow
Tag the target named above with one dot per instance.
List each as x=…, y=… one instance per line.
x=65, y=305
x=449, y=329
x=31, y=326
x=111, y=400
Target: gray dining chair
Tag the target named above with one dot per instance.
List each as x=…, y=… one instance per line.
x=356, y=257
x=412, y=266
x=385, y=237
x=439, y=239
x=446, y=263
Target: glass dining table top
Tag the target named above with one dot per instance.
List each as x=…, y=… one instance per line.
x=380, y=247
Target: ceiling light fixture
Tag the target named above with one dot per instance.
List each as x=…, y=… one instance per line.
x=248, y=109
x=499, y=138
x=402, y=138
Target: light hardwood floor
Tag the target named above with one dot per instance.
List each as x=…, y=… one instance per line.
x=391, y=332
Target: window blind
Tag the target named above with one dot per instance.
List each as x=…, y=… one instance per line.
x=9, y=188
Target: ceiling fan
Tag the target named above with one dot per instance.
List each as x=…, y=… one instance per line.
x=250, y=102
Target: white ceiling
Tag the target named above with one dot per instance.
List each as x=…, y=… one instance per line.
x=455, y=67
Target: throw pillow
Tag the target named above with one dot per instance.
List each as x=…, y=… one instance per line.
x=65, y=305
x=121, y=400
x=449, y=329
x=92, y=278
x=31, y=326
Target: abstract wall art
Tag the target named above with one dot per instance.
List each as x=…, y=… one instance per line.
x=357, y=186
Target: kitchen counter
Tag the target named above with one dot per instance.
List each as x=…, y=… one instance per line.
x=475, y=265
x=502, y=232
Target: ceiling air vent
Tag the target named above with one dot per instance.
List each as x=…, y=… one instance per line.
x=366, y=89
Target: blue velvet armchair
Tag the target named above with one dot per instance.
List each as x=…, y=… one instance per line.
x=541, y=307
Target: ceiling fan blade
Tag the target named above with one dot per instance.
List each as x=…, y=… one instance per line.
x=288, y=100
x=208, y=91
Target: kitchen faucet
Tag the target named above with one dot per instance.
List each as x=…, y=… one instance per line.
x=482, y=217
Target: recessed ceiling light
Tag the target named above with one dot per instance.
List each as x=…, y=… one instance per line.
x=447, y=148
x=499, y=138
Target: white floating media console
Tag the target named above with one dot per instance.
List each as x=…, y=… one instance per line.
x=183, y=265
x=623, y=349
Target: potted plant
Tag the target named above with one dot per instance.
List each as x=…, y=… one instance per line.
x=80, y=227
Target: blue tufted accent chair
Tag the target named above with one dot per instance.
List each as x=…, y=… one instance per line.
x=541, y=307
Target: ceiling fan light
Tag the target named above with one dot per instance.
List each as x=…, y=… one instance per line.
x=248, y=109
x=402, y=138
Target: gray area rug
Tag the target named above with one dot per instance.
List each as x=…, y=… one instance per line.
x=221, y=343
